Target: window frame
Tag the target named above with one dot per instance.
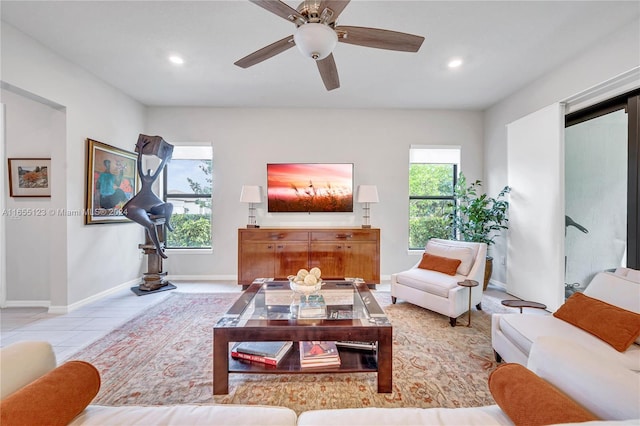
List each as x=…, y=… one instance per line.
x=455, y=173
x=167, y=196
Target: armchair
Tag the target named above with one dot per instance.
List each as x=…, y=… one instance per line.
x=440, y=292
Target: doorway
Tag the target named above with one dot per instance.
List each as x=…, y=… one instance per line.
x=601, y=190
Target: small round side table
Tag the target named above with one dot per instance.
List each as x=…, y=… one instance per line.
x=469, y=284
x=523, y=304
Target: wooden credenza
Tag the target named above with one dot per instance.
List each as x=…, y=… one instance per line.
x=280, y=252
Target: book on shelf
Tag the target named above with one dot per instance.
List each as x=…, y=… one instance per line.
x=351, y=344
x=341, y=312
x=318, y=354
x=264, y=352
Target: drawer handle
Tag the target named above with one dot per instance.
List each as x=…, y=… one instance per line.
x=344, y=236
x=276, y=236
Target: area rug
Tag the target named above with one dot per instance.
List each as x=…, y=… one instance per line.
x=164, y=356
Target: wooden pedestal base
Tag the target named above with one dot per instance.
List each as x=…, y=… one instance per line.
x=155, y=279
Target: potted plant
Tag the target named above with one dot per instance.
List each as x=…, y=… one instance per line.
x=476, y=217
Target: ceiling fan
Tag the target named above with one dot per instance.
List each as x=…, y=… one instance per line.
x=317, y=35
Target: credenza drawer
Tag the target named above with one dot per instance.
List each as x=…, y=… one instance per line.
x=274, y=235
x=346, y=235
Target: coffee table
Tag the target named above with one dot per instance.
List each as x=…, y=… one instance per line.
x=267, y=311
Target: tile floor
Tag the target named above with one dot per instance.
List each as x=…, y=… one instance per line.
x=71, y=332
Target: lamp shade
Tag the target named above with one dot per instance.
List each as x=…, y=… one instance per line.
x=251, y=194
x=315, y=40
x=367, y=194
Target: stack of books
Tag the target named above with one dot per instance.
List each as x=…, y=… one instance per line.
x=318, y=354
x=313, y=307
x=270, y=353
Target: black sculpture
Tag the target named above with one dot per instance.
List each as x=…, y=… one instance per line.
x=147, y=209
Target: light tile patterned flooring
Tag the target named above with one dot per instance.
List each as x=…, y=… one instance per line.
x=71, y=332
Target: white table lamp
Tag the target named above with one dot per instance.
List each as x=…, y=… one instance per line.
x=251, y=194
x=367, y=194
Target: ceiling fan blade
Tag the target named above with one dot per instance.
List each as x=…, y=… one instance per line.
x=279, y=8
x=266, y=52
x=336, y=5
x=329, y=72
x=378, y=38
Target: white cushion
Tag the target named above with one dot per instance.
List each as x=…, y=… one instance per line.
x=615, y=289
x=603, y=387
x=454, y=250
x=429, y=281
x=632, y=274
x=370, y=416
x=22, y=363
x=192, y=415
x=523, y=330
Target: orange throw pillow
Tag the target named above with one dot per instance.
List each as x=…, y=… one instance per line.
x=612, y=324
x=440, y=264
x=54, y=399
x=529, y=400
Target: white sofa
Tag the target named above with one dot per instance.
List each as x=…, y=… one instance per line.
x=558, y=364
x=23, y=362
x=440, y=292
x=513, y=334
x=606, y=390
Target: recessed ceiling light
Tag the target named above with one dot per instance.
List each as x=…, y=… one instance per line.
x=454, y=63
x=176, y=60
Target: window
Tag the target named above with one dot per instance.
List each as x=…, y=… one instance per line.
x=433, y=175
x=187, y=185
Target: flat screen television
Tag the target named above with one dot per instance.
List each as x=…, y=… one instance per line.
x=310, y=187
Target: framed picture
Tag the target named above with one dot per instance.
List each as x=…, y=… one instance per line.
x=112, y=179
x=29, y=177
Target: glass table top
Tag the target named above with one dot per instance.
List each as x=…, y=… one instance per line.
x=275, y=300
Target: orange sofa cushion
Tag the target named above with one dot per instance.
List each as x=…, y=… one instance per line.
x=612, y=324
x=440, y=264
x=54, y=399
x=529, y=400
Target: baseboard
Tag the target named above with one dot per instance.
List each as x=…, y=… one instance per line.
x=26, y=304
x=502, y=286
x=231, y=278
x=62, y=309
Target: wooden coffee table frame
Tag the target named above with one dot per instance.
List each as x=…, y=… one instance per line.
x=352, y=361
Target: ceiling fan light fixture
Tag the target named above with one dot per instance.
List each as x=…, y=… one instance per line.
x=315, y=41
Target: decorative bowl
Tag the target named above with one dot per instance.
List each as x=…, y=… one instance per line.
x=305, y=289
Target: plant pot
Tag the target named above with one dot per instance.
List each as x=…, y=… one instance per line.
x=488, y=269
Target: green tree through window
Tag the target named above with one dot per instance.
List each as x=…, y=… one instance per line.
x=188, y=183
x=431, y=199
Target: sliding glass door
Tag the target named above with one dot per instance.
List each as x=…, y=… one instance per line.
x=601, y=190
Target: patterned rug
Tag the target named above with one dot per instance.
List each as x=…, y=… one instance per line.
x=164, y=356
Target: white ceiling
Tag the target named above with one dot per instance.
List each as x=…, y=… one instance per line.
x=504, y=45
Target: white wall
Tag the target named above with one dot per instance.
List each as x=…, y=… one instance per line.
x=33, y=130
x=604, y=60
x=84, y=260
x=376, y=141
x=536, y=213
